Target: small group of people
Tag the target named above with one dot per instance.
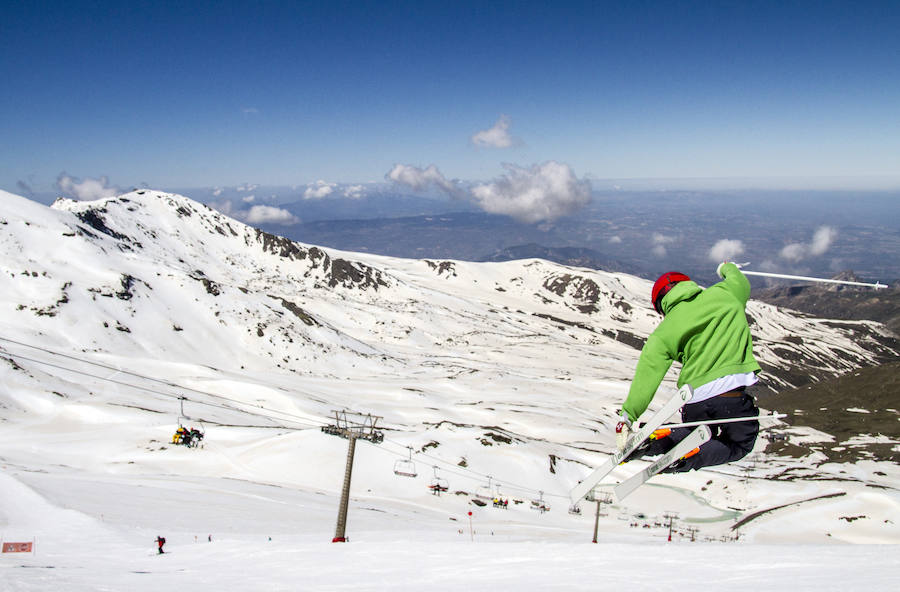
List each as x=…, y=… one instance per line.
x=706, y=330
x=190, y=437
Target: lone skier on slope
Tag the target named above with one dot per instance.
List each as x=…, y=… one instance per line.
x=707, y=331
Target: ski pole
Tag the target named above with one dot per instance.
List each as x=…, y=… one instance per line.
x=689, y=424
x=876, y=285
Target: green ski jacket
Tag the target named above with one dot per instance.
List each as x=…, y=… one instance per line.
x=705, y=330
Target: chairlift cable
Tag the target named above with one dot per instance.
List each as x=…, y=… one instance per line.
x=305, y=420
x=160, y=393
x=152, y=379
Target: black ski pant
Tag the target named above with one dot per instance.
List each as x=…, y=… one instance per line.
x=729, y=442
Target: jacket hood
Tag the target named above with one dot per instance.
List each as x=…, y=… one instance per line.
x=679, y=293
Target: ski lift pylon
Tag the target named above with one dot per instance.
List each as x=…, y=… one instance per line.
x=405, y=467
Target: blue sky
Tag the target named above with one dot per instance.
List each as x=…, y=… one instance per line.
x=182, y=94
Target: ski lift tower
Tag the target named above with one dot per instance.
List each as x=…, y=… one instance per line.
x=670, y=516
x=356, y=426
x=604, y=498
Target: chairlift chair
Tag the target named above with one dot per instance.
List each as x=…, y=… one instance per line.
x=539, y=504
x=485, y=491
x=438, y=484
x=405, y=467
x=192, y=435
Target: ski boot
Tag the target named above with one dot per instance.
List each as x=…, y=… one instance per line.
x=681, y=465
x=658, y=443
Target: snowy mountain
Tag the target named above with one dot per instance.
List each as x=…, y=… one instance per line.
x=122, y=317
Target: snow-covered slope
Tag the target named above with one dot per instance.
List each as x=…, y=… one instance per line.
x=485, y=374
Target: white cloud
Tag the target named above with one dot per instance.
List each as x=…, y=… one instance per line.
x=541, y=192
x=726, y=250
x=269, y=215
x=318, y=190
x=354, y=191
x=794, y=252
x=660, y=241
x=88, y=189
x=258, y=214
x=420, y=179
x=822, y=240
x=495, y=137
x=615, y=240
x=820, y=243
x=249, y=199
x=225, y=207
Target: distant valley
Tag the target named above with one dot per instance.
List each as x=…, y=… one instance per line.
x=638, y=233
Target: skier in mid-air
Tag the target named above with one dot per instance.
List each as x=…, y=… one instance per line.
x=706, y=330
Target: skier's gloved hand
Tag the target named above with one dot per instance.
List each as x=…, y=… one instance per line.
x=738, y=265
x=719, y=269
x=623, y=431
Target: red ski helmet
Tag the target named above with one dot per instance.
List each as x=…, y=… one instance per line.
x=663, y=285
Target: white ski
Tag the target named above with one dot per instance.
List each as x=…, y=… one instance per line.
x=697, y=437
x=683, y=395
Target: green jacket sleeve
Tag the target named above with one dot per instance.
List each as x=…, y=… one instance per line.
x=652, y=366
